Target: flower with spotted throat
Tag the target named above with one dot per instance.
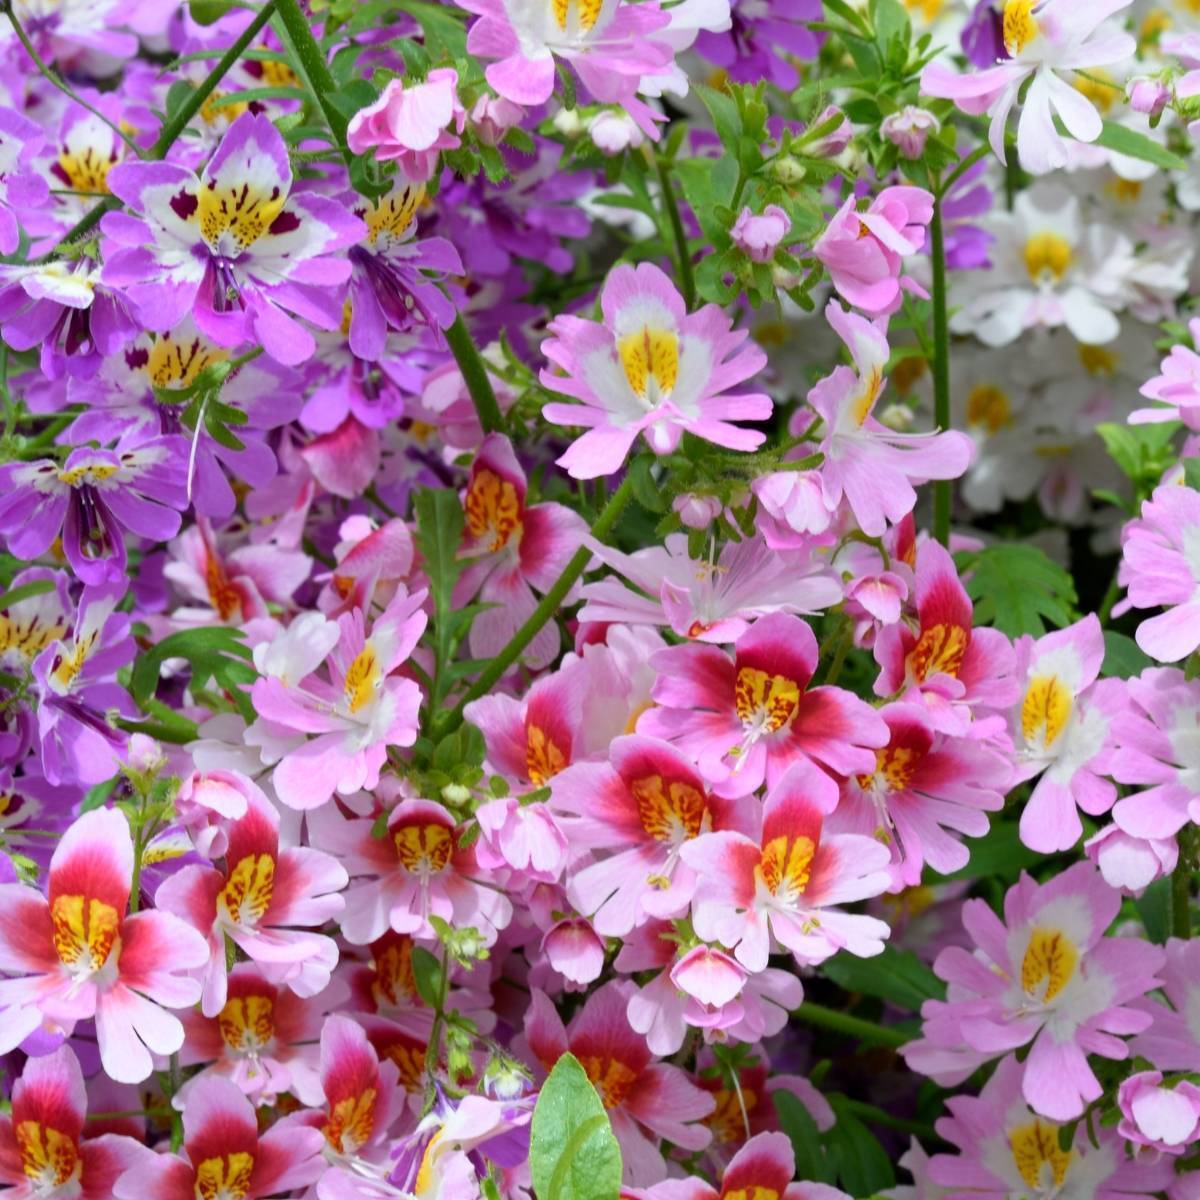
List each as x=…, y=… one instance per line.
x=1040, y=37
x=646, y=1100
x=1045, y=977
x=356, y=712
x=748, y=718
x=262, y=891
x=76, y=954
x=626, y=822
x=1063, y=729
x=779, y=888
x=223, y=1155
x=417, y=870
x=512, y=550
x=233, y=246
x=43, y=1153
x=649, y=367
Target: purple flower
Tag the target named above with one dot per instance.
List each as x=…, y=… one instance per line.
x=762, y=37
x=234, y=246
x=93, y=499
x=20, y=186
x=389, y=287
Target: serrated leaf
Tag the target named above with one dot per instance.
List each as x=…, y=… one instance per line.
x=573, y=1154
x=439, y=533
x=897, y=976
x=1017, y=588
x=214, y=652
x=726, y=118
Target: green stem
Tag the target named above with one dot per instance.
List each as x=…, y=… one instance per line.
x=475, y=376
x=314, y=69
x=941, y=368
x=176, y=125
x=963, y=167
x=877, y=1116
x=687, y=279
x=549, y=605
x=1181, y=884
x=840, y=1022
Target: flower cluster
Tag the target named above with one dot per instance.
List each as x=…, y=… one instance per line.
x=599, y=600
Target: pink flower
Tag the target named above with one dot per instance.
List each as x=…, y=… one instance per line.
x=862, y=251
x=575, y=950
x=415, y=871
x=868, y=465
x=1062, y=730
x=1130, y=863
x=43, y=1153
x=1005, y=1150
x=523, y=837
x=782, y=886
x=641, y=1096
x=223, y=1154
x=649, y=367
x=513, y=549
x=758, y=236
x=1044, y=977
x=254, y=900
x=952, y=669
x=1161, y=568
x=1166, y=1119
x=909, y=129
x=642, y=809
x=1172, y=1042
x=925, y=788
x=751, y=717
x=77, y=954
x=355, y=712
x=411, y=125
x=764, y=1166
x=1156, y=747
x=1177, y=387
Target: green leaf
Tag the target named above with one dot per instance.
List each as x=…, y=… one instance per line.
x=439, y=533
x=35, y=587
x=727, y=120
x=1154, y=908
x=802, y=1132
x=1122, y=656
x=96, y=796
x=573, y=1154
x=427, y=975
x=1000, y=852
x=1137, y=145
x=209, y=12
x=214, y=652
x=863, y=1165
x=1017, y=588
x=897, y=976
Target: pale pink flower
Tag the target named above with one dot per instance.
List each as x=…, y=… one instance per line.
x=411, y=125
x=759, y=235
x=1166, y=1119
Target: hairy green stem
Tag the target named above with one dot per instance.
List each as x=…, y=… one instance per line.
x=475, y=376
x=941, y=368
x=840, y=1022
x=687, y=278
x=314, y=69
x=176, y=125
x=548, y=606
x=1181, y=884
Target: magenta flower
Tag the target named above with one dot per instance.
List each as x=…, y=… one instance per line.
x=649, y=367
x=925, y=789
x=235, y=247
x=1160, y=568
x=641, y=810
x=641, y=1096
x=223, y=1154
x=513, y=549
x=262, y=892
x=863, y=251
x=868, y=465
x=1007, y=1150
x=356, y=710
x=1045, y=977
x=43, y=1152
x=77, y=955
x=93, y=499
x=751, y=717
x=763, y=40
x=21, y=187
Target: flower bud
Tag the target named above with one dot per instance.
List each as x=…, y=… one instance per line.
x=491, y=117
x=697, y=512
x=568, y=122
x=613, y=131
x=1166, y=1118
x=788, y=170
x=831, y=144
x=1147, y=95
x=908, y=129
x=758, y=237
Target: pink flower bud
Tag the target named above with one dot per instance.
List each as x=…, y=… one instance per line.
x=908, y=129
x=491, y=117
x=1165, y=1118
x=1147, y=95
x=575, y=951
x=758, y=237
x=697, y=512
x=831, y=144
x=614, y=131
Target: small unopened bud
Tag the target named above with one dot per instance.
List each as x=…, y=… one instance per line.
x=1147, y=95
x=908, y=129
x=614, y=131
x=568, y=122
x=788, y=170
x=833, y=142
x=697, y=512
x=898, y=417
x=758, y=237
x=491, y=117
x=456, y=794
